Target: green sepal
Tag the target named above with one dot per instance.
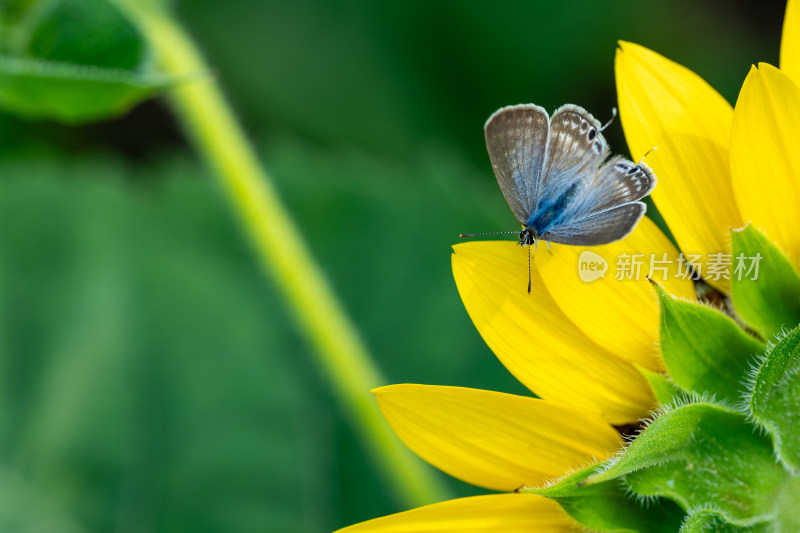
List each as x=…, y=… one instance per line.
x=775, y=397
x=703, y=456
x=665, y=390
x=772, y=301
x=608, y=507
x=709, y=521
x=704, y=350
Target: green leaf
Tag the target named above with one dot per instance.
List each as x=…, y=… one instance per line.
x=788, y=512
x=703, y=456
x=775, y=397
x=703, y=349
x=73, y=61
x=665, y=390
x=608, y=507
x=772, y=301
x=71, y=93
x=84, y=32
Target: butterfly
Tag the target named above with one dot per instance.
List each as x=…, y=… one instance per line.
x=558, y=180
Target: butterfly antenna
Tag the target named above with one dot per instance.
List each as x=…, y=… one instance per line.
x=613, y=116
x=467, y=235
x=653, y=149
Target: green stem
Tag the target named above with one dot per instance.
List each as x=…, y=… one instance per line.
x=210, y=123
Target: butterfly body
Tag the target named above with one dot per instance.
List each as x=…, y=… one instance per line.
x=550, y=211
x=558, y=180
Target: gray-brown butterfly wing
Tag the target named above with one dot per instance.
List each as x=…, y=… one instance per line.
x=516, y=137
x=575, y=150
x=619, y=181
x=598, y=228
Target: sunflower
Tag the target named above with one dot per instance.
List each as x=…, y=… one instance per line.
x=602, y=354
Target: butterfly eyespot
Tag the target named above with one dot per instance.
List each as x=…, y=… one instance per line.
x=633, y=171
x=591, y=135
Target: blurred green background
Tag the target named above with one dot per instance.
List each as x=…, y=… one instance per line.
x=150, y=378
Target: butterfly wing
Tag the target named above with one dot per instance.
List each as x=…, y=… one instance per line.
x=618, y=182
x=598, y=228
x=548, y=171
x=575, y=149
x=607, y=209
x=516, y=137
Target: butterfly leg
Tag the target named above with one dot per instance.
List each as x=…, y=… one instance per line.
x=548, y=247
x=535, y=246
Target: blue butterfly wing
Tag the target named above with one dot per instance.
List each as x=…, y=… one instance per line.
x=607, y=210
x=598, y=228
x=516, y=137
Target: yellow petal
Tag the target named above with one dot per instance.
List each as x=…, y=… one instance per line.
x=764, y=157
x=506, y=513
x=665, y=105
x=494, y=440
x=618, y=311
x=790, y=42
x=536, y=341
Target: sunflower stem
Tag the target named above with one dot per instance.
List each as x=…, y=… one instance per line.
x=209, y=122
